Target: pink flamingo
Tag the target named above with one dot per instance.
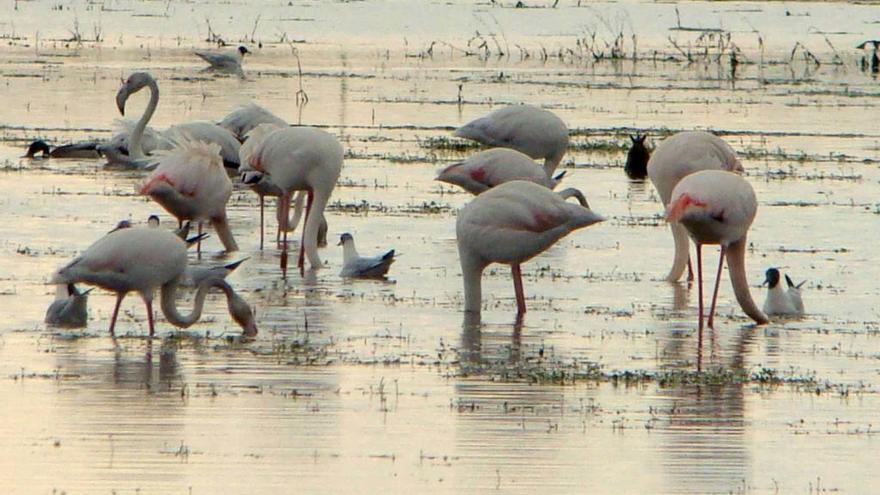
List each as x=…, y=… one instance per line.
x=512, y=223
x=486, y=169
x=191, y=184
x=718, y=207
x=296, y=159
x=677, y=157
x=143, y=259
x=528, y=129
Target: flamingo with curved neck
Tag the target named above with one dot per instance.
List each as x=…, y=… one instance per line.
x=144, y=259
x=718, y=207
x=510, y=224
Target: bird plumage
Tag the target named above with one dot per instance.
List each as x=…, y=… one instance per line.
x=533, y=131
x=70, y=307
x=783, y=301
x=486, y=169
x=354, y=265
x=244, y=119
x=224, y=61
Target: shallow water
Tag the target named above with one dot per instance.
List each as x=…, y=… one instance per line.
x=382, y=386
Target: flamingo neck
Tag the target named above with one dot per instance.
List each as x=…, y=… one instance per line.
x=551, y=162
x=135, y=148
x=736, y=266
x=297, y=212
x=221, y=225
x=169, y=304
x=682, y=252
x=472, y=274
x=314, y=216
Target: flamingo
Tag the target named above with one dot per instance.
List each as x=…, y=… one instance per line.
x=486, y=169
x=143, y=259
x=637, y=157
x=191, y=184
x=512, y=223
x=297, y=159
x=263, y=186
x=718, y=207
x=781, y=301
x=528, y=129
x=224, y=61
x=70, y=309
x=195, y=131
x=244, y=119
x=676, y=157
x=355, y=265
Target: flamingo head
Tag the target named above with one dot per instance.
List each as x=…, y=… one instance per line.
x=135, y=82
x=242, y=314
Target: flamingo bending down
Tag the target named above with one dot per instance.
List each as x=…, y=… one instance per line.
x=511, y=224
x=528, y=129
x=718, y=207
x=486, y=169
x=296, y=159
x=138, y=137
x=677, y=157
x=191, y=184
x=263, y=186
x=143, y=259
x=243, y=120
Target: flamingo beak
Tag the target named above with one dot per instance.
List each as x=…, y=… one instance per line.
x=121, y=98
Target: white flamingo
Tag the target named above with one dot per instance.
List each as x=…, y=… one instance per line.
x=246, y=118
x=144, y=259
x=677, y=157
x=510, y=224
x=193, y=131
x=263, y=186
x=718, y=207
x=300, y=159
x=191, y=184
x=486, y=169
x=528, y=129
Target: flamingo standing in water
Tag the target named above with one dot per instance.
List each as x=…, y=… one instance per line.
x=243, y=120
x=512, y=223
x=534, y=131
x=677, y=157
x=191, y=184
x=718, y=207
x=143, y=259
x=486, y=169
x=297, y=159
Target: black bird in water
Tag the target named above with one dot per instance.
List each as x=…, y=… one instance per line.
x=637, y=159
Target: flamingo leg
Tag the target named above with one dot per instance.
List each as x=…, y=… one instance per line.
x=285, y=206
x=518, y=289
x=700, y=290
x=149, y=305
x=710, y=323
x=302, y=244
x=199, y=243
x=261, y=221
x=119, y=298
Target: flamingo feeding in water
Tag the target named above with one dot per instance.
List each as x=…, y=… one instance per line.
x=486, y=169
x=528, y=129
x=510, y=224
x=244, y=119
x=675, y=158
x=143, y=259
x=263, y=186
x=297, y=159
x=718, y=207
x=191, y=184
